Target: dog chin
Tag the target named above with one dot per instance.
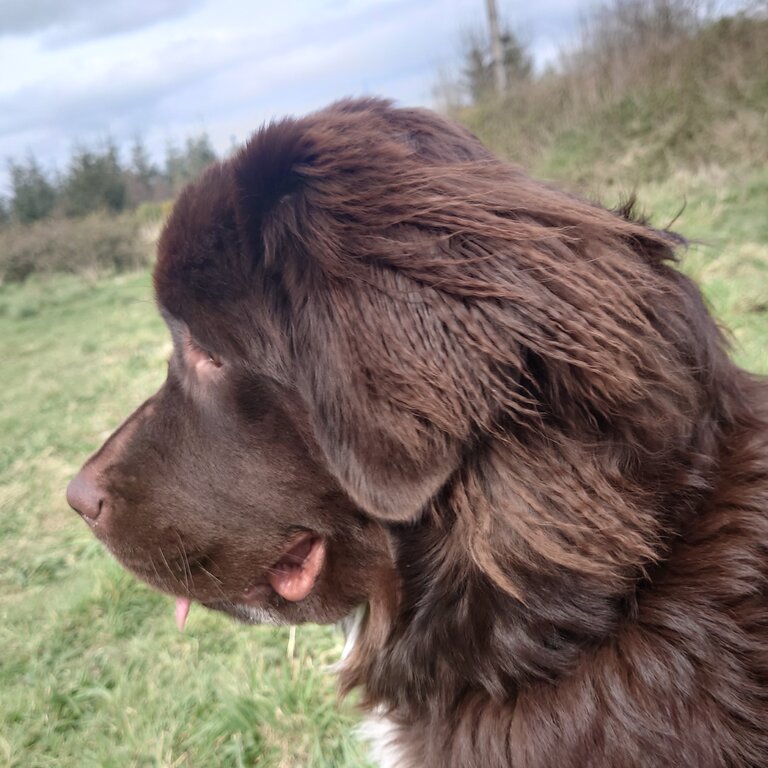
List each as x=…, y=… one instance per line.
x=249, y=614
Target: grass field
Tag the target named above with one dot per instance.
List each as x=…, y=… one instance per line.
x=92, y=669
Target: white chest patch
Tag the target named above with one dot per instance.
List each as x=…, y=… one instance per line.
x=351, y=625
x=377, y=731
x=381, y=735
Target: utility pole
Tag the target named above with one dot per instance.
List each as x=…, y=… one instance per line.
x=497, y=52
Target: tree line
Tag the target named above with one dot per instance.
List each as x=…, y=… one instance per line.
x=97, y=179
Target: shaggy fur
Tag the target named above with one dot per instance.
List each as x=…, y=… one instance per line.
x=507, y=416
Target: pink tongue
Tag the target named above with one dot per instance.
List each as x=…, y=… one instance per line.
x=182, y=611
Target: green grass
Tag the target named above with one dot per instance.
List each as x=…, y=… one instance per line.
x=725, y=216
x=92, y=669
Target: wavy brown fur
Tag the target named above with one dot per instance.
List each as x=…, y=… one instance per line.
x=535, y=402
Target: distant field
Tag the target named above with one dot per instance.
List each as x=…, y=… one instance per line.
x=92, y=669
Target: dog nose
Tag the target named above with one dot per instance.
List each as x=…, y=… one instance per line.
x=85, y=497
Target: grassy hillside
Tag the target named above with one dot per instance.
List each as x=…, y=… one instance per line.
x=633, y=110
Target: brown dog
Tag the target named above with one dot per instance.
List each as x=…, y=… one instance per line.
x=408, y=377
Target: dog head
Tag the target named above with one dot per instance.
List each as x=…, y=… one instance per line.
x=401, y=364
x=241, y=483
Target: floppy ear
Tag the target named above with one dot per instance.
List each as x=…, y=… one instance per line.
x=369, y=360
x=366, y=371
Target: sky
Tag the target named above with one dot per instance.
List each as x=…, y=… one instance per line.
x=77, y=71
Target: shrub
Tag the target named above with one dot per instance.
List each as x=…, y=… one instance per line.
x=95, y=181
x=33, y=194
x=95, y=244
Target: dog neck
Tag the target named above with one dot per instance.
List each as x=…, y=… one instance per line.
x=467, y=675
x=492, y=598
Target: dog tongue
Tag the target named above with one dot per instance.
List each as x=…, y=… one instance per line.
x=182, y=611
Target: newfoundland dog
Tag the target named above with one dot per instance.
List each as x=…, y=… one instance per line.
x=487, y=419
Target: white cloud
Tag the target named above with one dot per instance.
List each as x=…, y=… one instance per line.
x=62, y=22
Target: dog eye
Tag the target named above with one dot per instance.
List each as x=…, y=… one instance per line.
x=198, y=355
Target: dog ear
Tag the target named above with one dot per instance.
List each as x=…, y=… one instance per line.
x=377, y=398
x=366, y=358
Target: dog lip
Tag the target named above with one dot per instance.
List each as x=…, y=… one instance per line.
x=297, y=551
x=294, y=555
x=172, y=577
x=257, y=593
